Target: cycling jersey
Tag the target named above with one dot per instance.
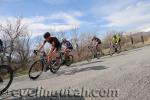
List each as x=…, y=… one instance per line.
x=57, y=44
x=1, y=45
x=116, y=39
x=68, y=45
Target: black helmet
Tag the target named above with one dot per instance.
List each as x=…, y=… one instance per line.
x=46, y=35
x=115, y=36
x=64, y=40
x=94, y=37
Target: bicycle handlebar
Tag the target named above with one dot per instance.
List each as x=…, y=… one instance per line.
x=40, y=52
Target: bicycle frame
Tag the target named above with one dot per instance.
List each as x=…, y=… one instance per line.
x=43, y=58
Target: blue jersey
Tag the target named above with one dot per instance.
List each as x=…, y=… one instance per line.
x=68, y=44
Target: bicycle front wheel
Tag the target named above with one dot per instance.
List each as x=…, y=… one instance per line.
x=6, y=78
x=111, y=50
x=36, y=69
x=89, y=57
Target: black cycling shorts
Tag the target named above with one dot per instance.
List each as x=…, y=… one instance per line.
x=70, y=48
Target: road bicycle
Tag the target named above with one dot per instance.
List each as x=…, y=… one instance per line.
x=92, y=53
x=41, y=65
x=6, y=75
x=66, y=61
x=114, y=48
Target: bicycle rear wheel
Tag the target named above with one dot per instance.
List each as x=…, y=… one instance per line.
x=36, y=69
x=118, y=49
x=55, y=65
x=111, y=51
x=89, y=57
x=69, y=61
x=6, y=78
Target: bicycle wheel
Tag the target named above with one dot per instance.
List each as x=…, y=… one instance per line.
x=6, y=78
x=111, y=51
x=55, y=65
x=118, y=49
x=89, y=57
x=36, y=69
x=98, y=55
x=69, y=61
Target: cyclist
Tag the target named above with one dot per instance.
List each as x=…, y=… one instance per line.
x=68, y=47
x=1, y=45
x=1, y=50
x=98, y=44
x=55, y=43
x=116, y=39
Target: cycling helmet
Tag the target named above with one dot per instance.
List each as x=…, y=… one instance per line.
x=94, y=37
x=64, y=40
x=46, y=35
x=115, y=36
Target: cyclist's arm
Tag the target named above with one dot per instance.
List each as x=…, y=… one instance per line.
x=41, y=46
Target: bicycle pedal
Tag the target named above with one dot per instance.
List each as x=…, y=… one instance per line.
x=1, y=81
x=53, y=62
x=46, y=69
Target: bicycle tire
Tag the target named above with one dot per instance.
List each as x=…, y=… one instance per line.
x=10, y=71
x=32, y=66
x=111, y=51
x=70, y=61
x=89, y=57
x=54, y=68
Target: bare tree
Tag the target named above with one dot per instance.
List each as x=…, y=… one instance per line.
x=23, y=51
x=13, y=31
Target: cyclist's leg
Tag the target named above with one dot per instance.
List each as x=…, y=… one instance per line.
x=1, y=80
x=67, y=52
x=57, y=56
x=57, y=52
x=96, y=50
x=51, y=54
x=113, y=47
x=119, y=46
x=120, y=43
x=100, y=49
x=97, y=47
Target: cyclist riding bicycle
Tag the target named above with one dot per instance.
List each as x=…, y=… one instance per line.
x=1, y=50
x=97, y=43
x=68, y=47
x=56, y=46
x=116, y=39
x=1, y=45
x=116, y=42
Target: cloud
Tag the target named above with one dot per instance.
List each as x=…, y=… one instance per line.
x=129, y=15
x=40, y=24
x=54, y=2
x=8, y=0
x=134, y=14
x=109, y=6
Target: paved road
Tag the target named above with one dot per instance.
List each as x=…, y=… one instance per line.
x=121, y=77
